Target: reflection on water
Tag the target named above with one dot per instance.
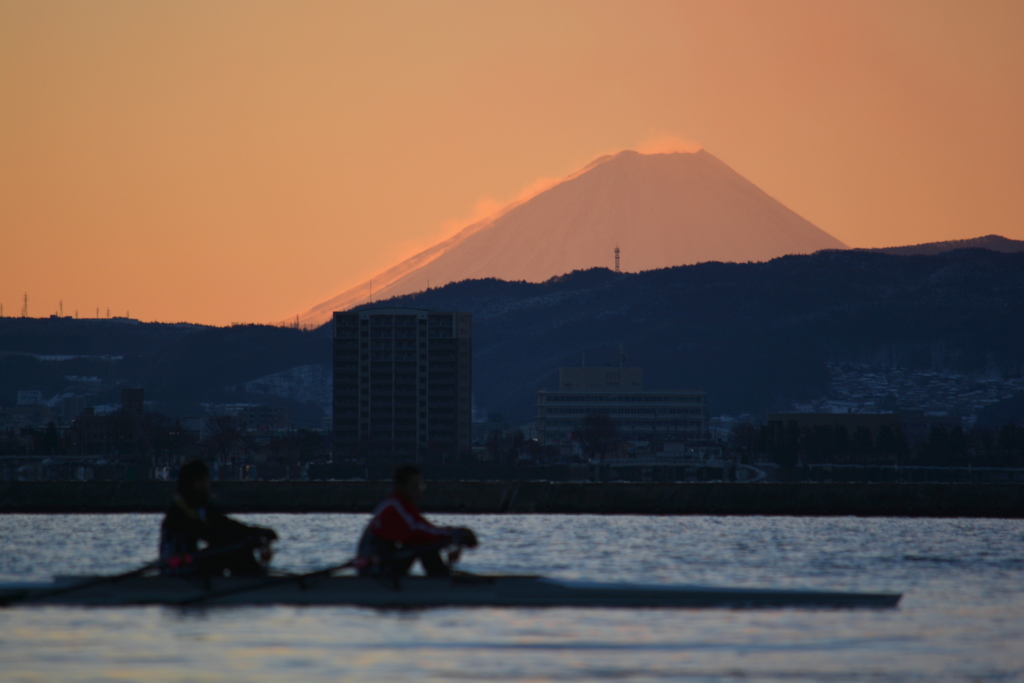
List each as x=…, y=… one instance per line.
x=962, y=616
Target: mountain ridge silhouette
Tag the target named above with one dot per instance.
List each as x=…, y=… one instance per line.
x=661, y=210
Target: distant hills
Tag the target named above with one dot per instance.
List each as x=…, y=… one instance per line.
x=990, y=242
x=181, y=367
x=661, y=210
x=755, y=336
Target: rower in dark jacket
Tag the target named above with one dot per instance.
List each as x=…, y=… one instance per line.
x=191, y=518
x=398, y=534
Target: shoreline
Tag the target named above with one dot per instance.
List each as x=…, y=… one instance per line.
x=496, y=497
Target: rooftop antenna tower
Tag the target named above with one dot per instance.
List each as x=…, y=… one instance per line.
x=617, y=258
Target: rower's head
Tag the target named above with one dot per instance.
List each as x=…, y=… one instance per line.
x=409, y=482
x=194, y=482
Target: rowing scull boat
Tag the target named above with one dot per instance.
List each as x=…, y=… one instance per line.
x=418, y=592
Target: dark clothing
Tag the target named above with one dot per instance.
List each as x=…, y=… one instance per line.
x=184, y=526
x=398, y=527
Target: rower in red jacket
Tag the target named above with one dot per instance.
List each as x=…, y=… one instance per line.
x=398, y=534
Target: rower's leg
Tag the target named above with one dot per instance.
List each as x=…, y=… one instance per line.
x=433, y=565
x=242, y=563
x=399, y=567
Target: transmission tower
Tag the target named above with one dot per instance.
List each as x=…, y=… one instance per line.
x=616, y=258
x=24, y=307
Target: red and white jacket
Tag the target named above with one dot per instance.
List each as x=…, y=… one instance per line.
x=397, y=520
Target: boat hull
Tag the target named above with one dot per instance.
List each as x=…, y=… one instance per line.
x=419, y=592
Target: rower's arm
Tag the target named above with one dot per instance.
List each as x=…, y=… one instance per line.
x=398, y=526
x=217, y=529
x=223, y=529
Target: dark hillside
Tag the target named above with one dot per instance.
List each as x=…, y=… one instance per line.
x=755, y=336
x=179, y=366
x=990, y=242
x=217, y=359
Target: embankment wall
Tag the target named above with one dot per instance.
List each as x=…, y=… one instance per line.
x=901, y=500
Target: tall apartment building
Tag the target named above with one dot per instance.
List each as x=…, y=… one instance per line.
x=618, y=393
x=402, y=385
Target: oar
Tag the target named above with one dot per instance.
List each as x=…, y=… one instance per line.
x=173, y=562
x=302, y=579
x=273, y=581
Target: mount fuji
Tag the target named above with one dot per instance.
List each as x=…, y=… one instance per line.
x=660, y=210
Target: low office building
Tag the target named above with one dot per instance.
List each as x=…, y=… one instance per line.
x=402, y=385
x=618, y=393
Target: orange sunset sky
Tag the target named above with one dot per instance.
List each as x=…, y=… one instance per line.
x=219, y=161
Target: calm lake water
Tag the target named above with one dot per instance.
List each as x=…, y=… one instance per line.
x=961, y=618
